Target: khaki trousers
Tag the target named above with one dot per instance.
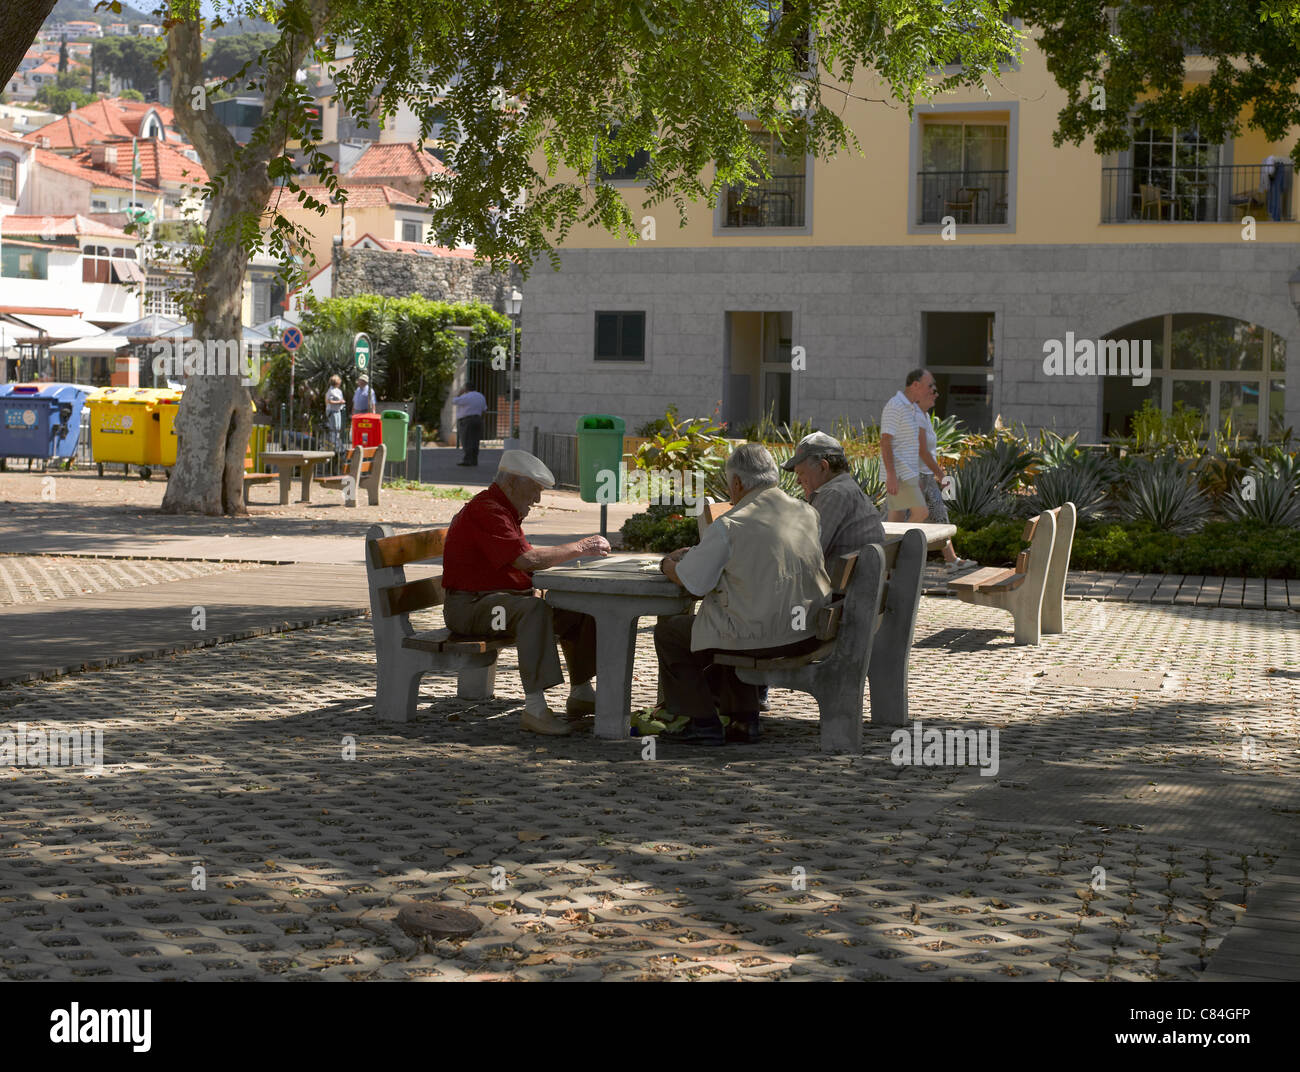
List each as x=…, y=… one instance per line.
x=534, y=625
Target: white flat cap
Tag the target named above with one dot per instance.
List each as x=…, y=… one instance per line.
x=521, y=463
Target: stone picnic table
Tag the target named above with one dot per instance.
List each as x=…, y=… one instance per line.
x=935, y=535
x=285, y=461
x=615, y=591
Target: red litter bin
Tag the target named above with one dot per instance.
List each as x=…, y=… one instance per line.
x=367, y=429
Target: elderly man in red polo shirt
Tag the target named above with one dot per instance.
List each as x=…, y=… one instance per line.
x=487, y=567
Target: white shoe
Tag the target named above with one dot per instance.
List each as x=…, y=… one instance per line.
x=546, y=723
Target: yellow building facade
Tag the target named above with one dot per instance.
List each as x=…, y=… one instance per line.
x=962, y=240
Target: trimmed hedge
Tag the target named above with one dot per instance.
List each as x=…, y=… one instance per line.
x=1221, y=549
x=660, y=528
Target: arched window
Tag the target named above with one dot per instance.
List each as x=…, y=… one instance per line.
x=1223, y=368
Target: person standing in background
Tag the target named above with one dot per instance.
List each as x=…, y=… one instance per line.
x=470, y=407
x=364, y=401
x=334, y=403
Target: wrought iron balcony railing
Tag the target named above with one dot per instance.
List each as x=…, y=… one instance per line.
x=1206, y=194
x=967, y=196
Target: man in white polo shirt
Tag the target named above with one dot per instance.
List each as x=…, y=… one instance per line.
x=470, y=406
x=900, y=448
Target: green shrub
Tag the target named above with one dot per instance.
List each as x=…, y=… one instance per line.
x=660, y=528
x=994, y=542
x=977, y=489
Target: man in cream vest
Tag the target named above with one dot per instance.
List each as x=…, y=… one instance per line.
x=761, y=578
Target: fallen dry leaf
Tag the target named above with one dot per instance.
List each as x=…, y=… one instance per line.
x=530, y=835
x=453, y=852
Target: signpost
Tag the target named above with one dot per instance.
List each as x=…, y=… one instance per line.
x=361, y=351
x=291, y=339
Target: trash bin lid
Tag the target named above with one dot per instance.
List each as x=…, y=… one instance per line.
x=393, y=414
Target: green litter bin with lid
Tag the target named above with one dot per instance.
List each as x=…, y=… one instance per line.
x=396, y=425
x=600, y=450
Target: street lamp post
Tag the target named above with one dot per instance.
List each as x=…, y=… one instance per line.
x=513, y=302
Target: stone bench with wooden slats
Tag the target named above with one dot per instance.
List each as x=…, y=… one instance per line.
x=365, y=470
x=402, y=654
x=1033, y=593
x=866, y=632
x=251, y=476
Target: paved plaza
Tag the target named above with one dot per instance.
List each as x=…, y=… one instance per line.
x=254, y=820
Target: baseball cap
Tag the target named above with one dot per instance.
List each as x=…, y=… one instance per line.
x=817, y=445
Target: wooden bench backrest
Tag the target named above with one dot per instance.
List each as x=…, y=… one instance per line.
x=1032, y=524
x=367, y=458
x=394, y=552
x=713, y=511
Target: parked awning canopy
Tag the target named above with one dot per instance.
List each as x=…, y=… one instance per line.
x=58, y=327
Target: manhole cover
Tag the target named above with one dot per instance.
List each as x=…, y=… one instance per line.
x=436, y=921
x=1128, y=680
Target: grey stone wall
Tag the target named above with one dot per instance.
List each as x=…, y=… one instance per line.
x=858, y=313
x=395, y=275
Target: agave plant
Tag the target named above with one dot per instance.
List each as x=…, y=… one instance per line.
x=1269, y=493
x=869, y=474
x=949, y=436
x=1082, y=484
x=977, y=488
x=1164, y=491
x=1008, y=460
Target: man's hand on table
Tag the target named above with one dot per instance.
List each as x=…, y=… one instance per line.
x=669, y=564
x=593, y=545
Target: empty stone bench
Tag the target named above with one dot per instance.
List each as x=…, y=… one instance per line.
x=365, y=470
x=1033, y=593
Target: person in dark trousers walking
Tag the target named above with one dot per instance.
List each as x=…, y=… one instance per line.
x=470, y=407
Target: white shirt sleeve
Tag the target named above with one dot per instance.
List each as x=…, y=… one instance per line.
x=701, y=567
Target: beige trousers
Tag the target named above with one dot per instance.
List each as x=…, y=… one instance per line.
x=534, y=625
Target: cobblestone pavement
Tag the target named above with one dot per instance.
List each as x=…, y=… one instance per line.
x=1156, y=743
x=41, y=578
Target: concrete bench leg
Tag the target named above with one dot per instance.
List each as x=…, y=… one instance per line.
x=840, y=704
x=477, y=682
x=892, y=645
x=398, y=691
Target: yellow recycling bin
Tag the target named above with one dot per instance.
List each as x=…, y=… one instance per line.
x=127, y=426
x=166, y=405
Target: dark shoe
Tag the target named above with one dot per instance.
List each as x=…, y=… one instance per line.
x=744, y=730
x=707, y=732
x=464, y=463
x=763, y=704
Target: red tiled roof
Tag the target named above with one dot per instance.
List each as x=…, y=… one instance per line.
x=359, y=195
x=48, y=67
x=160, y=162
x=60, y=225
x=419, y=248
x=80, y=167
x=99, y=121
x=384, y=160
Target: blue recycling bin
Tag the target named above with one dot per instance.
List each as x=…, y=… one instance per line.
x=40, y=421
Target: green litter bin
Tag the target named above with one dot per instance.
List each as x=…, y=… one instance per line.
x=396, y=425
x=600, y=449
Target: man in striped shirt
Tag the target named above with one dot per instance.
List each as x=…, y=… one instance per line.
x=900, y=448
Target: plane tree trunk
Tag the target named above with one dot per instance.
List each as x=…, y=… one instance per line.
x=215, y=415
